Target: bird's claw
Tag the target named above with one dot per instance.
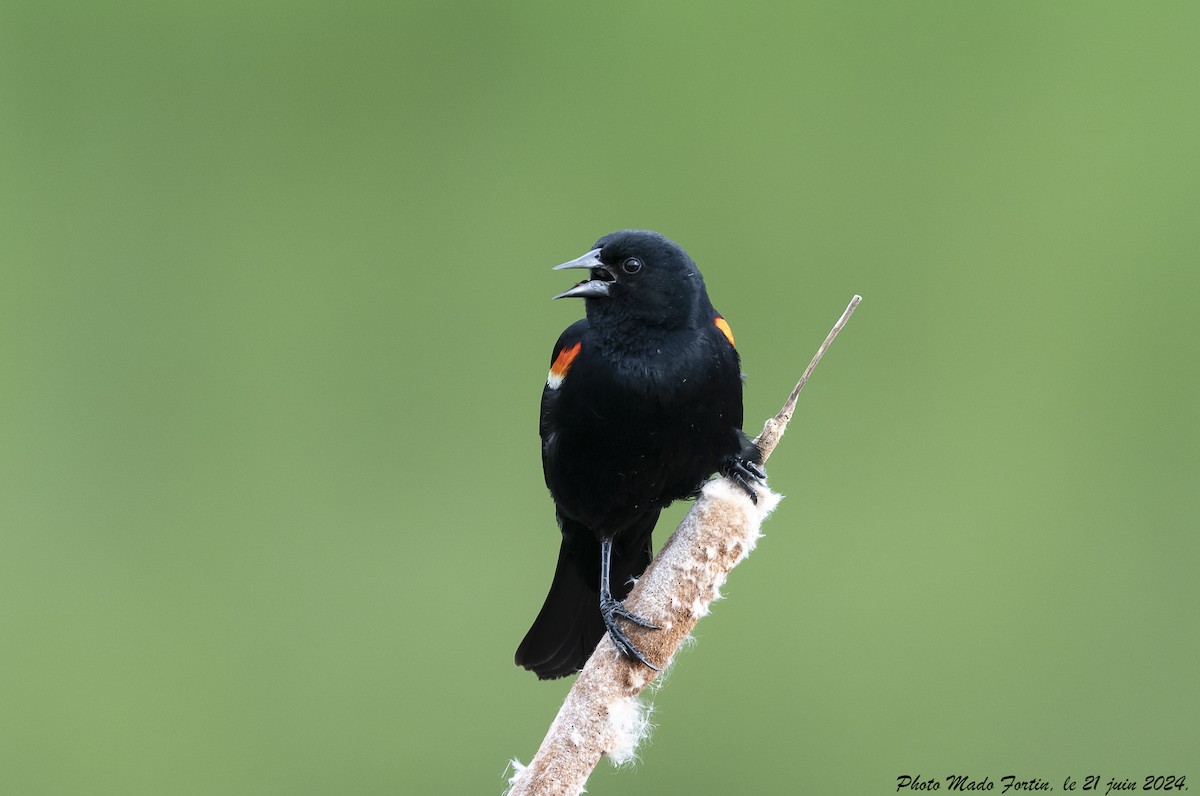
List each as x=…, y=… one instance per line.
x=610, y=609
x=746, y=474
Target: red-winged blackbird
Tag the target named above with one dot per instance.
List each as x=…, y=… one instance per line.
x=642, y=404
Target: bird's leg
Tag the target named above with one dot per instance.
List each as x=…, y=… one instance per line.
x=744, y=470
x=610, y=609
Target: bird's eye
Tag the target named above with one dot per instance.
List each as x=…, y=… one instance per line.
x=631, y=265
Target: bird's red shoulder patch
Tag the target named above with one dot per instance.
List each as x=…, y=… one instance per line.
x=723, y=325
x=562, y=363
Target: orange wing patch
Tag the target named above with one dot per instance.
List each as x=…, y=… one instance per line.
x=723, y=325
x=562, y=363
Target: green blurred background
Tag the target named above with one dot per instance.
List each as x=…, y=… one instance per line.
x=274, y=323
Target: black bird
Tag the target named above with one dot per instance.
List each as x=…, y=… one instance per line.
x=642, y=404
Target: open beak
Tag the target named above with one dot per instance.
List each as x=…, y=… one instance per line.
x=597, y=285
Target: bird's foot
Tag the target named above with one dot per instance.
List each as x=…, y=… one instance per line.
x=746, y=473
x=610, y=609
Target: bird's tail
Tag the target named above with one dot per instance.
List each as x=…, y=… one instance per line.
x=569, y=626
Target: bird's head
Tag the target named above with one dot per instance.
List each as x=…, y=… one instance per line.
x=638, y=275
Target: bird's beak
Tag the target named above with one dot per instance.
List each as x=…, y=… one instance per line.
x=595, y=287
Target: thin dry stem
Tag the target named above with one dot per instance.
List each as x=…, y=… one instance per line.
x=773, y=429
